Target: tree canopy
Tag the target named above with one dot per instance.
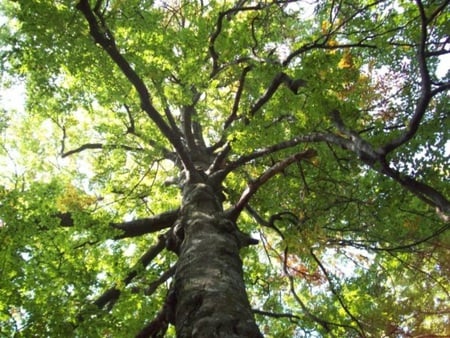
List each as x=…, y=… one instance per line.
x=322, y=127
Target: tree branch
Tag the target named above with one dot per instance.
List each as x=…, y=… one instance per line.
x=88, y=146
x=146, y=225
x=270, y=223
x=376, y=160
x=213, y=37
x=162, y=279
x=158, y=326
x=423, y=191
x=237, y=98
x=280, y=78
x=253, y=186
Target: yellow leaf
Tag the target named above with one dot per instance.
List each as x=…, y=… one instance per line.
x=346, y=60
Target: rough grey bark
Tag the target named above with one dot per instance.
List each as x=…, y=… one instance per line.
x=209, y=291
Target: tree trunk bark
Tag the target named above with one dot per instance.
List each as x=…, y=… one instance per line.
x=209, y=290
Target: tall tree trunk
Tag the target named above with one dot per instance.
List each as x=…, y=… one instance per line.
x=209, y=288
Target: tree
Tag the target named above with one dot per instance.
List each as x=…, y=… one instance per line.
x=226, y=169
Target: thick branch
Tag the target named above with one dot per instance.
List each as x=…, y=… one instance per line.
x=365, y=152
x=146, y=225
x=133, y=228
x=425, y=92
x=376, y=160
x=423, y=191
x=313, y=137
x=158, y=326
x=186, y=124
x=104, y=38
x=162, y=279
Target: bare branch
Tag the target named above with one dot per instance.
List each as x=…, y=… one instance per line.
x=276, y=315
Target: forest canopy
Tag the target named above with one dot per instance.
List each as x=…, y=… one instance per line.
x=225, y=168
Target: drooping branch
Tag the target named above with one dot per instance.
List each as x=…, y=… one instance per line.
x=103, y=36
x=336, y=293
x=254, y=186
